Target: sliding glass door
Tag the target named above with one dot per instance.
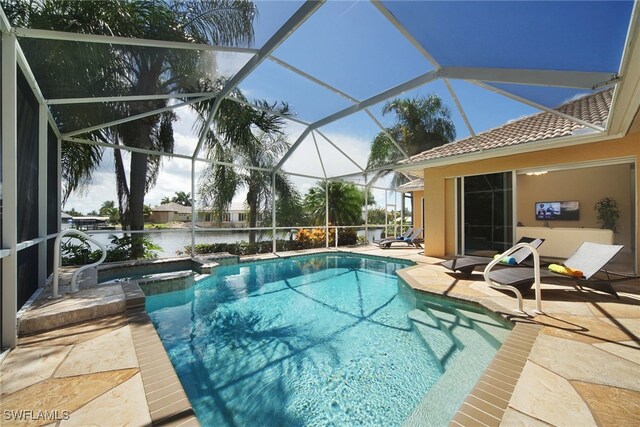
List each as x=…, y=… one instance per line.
x=485, y=213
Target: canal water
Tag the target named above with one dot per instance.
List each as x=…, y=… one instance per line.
x=172, y=241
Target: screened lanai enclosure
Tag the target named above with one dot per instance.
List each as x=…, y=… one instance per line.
x=264, y=108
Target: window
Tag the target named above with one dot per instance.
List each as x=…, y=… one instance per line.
x=242, y=217
x=226, y=217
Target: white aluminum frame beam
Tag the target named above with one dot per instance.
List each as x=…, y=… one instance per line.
x=28, y=74
x=130, y=98
x=334, y=145
x=274, y=245
x=324, y=172
x=326, y=212
x=160, y=153
x=301, y=175
x=332, y=89
x=43, y=145
x=314, y=79
x=394, y=21
x=463, y=114
x=193, y=207
x=137, y=116
x=429, y=58
x=33, y=33
x=387, y=134
x=5, y=25
x=266, y=110
x=297, y=19
x=380, y=97
x=9, y=134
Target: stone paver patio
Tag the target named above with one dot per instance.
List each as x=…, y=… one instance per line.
x=576, y=364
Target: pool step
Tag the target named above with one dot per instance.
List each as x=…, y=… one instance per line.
x=478, y=335
x=93, y=301
x=134, y=297
x=87, y=304
x=437, y=338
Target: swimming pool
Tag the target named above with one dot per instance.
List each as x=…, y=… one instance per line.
x=328, y=339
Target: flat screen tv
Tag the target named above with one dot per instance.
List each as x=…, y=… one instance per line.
x=568, y=211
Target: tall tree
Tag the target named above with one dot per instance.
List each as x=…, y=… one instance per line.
x=422, y=123
x=109, y=209
x=180, y=198
x=346, y=202
x=131, y=70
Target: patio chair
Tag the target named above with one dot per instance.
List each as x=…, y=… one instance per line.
x=465, y=265
x=584, y=263
x=411, y=240
x=404, y=236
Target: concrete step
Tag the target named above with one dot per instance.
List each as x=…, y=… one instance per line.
x=44, y=313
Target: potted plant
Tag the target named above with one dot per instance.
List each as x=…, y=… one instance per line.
x=608, y=213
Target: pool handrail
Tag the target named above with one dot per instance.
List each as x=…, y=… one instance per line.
x=536, y=263
x=57, y=260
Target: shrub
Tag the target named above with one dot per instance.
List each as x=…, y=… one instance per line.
x=78, y=253
x=305, y=239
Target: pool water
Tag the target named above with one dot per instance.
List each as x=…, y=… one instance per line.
x=314, y=340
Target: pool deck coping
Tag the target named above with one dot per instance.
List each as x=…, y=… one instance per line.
x=167, y=400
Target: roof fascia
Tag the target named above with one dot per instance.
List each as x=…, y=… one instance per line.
x=554, y=78
x=626, y=98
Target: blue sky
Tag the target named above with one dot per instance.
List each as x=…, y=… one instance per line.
x=353, y=47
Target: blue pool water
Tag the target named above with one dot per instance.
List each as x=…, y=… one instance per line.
x=316, y=340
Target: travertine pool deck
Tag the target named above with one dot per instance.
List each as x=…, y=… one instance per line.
x=577, y=364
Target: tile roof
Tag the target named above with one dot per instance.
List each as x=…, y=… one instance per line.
x=415, y=185
x=172, y=207
x=593, y=108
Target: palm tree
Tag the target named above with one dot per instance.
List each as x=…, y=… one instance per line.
x=130, y=70
x=109, y=209
x=180, y=198
x=345, y=203
x=422, y=123
x=245, y=136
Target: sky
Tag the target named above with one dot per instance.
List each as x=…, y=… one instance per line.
x=351, y=46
